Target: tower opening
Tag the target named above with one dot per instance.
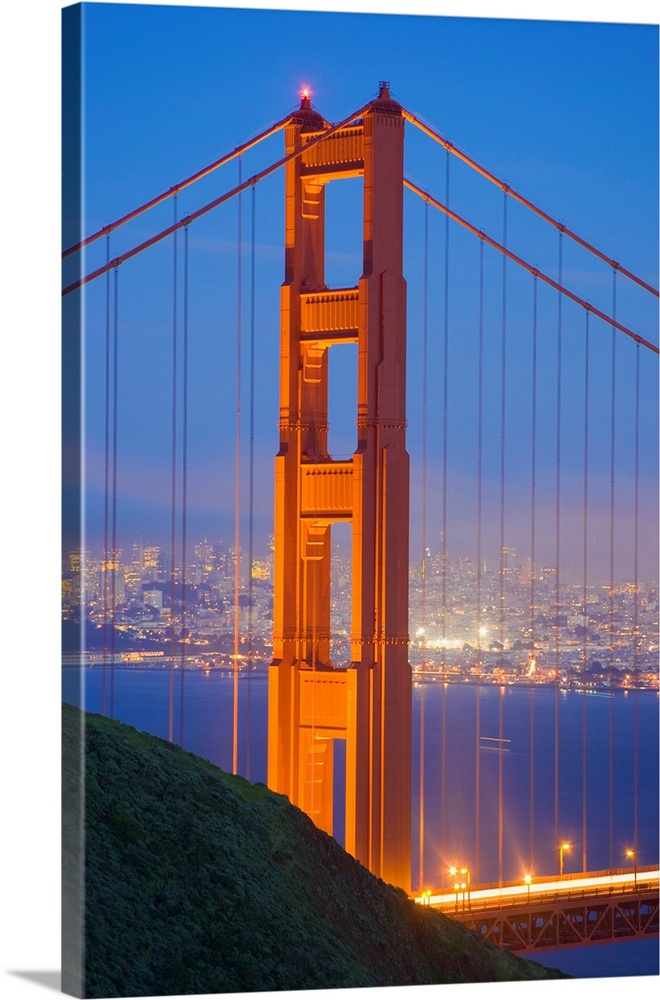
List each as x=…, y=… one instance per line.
x=341, y=594
x=342, y=400
x=343, y=232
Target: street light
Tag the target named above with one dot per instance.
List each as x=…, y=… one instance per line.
x=466, y=872
x=562, y=848
x=453, y=871
x=463, y=887
x=528, y=883
x=633, y=854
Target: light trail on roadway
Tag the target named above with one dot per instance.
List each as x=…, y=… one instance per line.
x=521, y=893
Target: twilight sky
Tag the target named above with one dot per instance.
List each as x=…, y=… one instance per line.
x=566, y=113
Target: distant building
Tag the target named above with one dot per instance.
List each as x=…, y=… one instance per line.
x=153, y=597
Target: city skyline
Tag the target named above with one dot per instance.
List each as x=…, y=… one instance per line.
x=601, y=638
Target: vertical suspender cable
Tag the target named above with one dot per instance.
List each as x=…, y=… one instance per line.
x=443, y=541
x=422, y=720
x=585, y=612
x=184, y=484
x=251, y=478
x=175, y=310
x=611, y=605
x=558, y=540
x=113, y=543
x=635, y=617
x=532, y=583
x=480, y=414
x=106, y=490
x=237, y=496
x=445, y=405
x=500, y=776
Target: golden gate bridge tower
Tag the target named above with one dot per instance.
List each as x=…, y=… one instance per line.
x=313, y=701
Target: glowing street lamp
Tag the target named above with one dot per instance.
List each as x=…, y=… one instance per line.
x=562, y=848
x=633, y=854
x=457, y=885
x=466, y=872
x=464, y=885
x=463, y=888
x=528, y=883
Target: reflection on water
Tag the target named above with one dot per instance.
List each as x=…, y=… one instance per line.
x=486, y=743
x=501, y=741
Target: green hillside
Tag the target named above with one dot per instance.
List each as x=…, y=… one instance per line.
x=199, y=882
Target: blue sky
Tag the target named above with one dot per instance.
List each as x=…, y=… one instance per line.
x=564, y=112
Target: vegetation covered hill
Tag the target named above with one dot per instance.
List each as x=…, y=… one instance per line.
x=199, y=882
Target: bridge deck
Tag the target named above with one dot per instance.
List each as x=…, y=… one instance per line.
x=574, y=911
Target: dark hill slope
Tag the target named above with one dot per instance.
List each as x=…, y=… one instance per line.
x=199, y=882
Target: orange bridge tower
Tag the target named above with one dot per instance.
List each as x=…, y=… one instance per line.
x=312, y=701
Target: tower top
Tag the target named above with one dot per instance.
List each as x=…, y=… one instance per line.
x=310, y=120
x=384, y=100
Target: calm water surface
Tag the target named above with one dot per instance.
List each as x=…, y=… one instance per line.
x=499, y=741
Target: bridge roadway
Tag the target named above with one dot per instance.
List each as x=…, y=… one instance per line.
x=551, y=912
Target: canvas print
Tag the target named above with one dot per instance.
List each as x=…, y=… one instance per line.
x=360, y=493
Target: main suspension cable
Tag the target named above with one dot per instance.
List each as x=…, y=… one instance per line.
x=193, y=216
x=451, y=148
x=173, y=191
x=529, y=267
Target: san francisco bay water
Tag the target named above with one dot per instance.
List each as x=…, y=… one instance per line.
x=501, y=740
